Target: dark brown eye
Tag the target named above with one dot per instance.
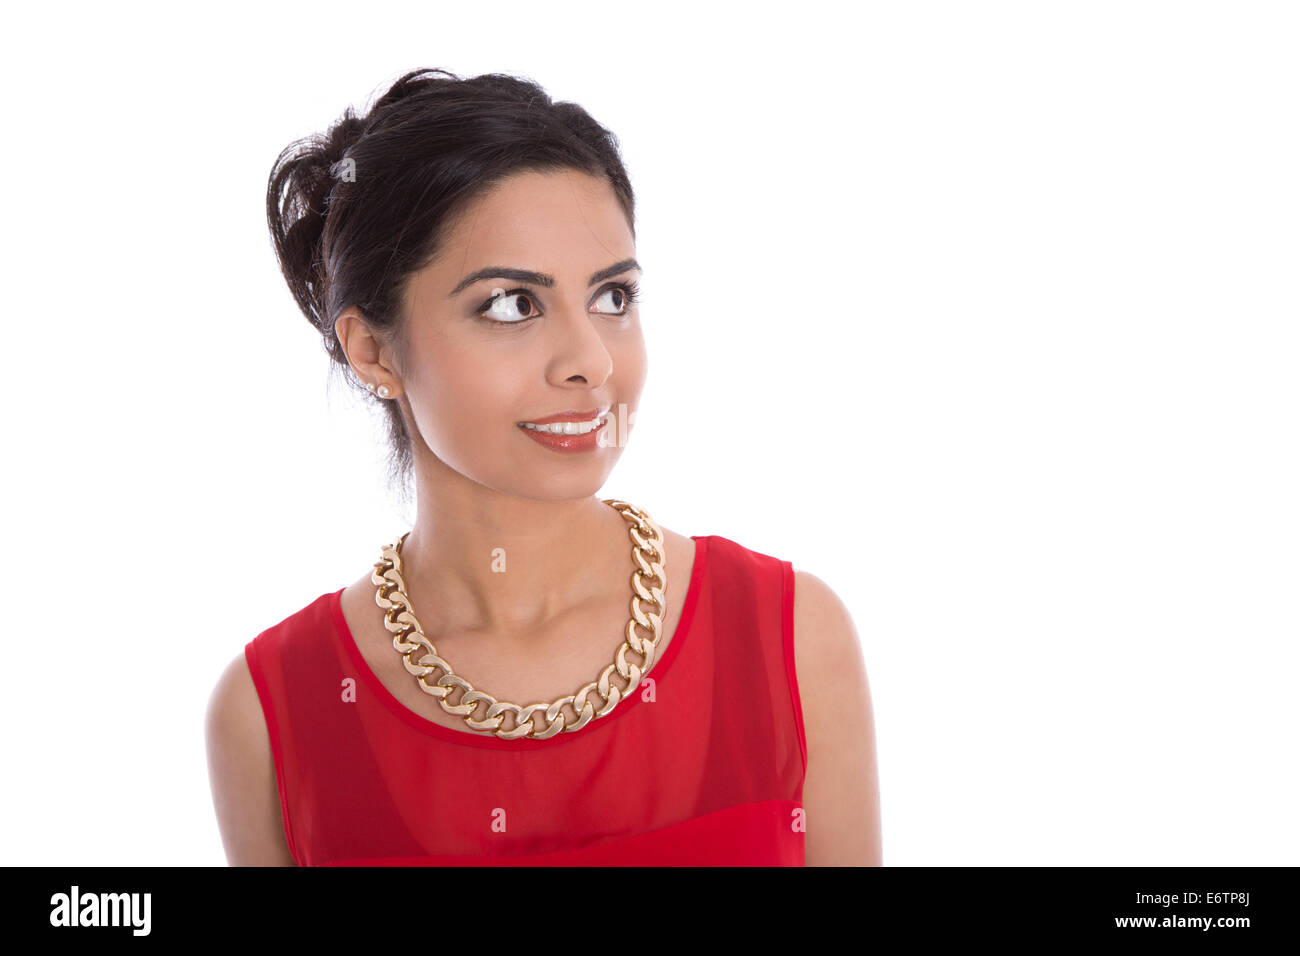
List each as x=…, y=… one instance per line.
x=623, y=296
x=509, y=308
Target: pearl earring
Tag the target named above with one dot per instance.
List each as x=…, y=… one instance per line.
x=383, y=391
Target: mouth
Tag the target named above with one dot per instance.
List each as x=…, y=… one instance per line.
x=586, y=435
x=567, y=423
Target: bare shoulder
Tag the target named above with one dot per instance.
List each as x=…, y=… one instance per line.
x=841, y=790
x=241, y=772
x=824, y=632
x=680, y=549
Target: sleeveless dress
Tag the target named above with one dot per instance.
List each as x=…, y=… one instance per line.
x=702, y=766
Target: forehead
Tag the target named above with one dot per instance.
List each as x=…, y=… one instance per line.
x=554, y=222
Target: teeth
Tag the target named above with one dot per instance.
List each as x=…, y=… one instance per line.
x=566, y=428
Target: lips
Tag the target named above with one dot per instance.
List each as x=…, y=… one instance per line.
x=569, y=416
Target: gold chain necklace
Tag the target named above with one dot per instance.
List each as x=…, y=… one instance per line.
x=410, y=639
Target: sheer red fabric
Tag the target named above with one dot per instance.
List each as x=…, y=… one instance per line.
x=704, y=766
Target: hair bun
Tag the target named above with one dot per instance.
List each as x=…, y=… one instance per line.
x=342, y=135
x=297, y=207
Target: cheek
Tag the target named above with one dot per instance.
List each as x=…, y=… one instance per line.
x=630, y=368
x=470, y=391
x=461, y=397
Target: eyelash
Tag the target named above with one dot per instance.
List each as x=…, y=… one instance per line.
x=631, y=295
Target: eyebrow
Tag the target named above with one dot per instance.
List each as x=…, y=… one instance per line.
x=538, y=278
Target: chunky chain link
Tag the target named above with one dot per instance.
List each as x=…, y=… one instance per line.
x=409, y=640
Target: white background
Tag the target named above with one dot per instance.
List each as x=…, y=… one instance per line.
x=1007, y=293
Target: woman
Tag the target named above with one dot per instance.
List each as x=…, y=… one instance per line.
x=467, y=252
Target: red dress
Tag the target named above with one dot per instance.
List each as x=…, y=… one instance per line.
x=708, y=772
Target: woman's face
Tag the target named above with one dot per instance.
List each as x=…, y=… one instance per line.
x=488, y=349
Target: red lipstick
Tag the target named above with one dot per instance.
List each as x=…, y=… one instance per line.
x=569, y=416
x=560, y=440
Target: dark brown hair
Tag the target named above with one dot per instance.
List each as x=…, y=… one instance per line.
x=355, y=211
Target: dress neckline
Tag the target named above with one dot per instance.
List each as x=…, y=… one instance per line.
x=475, y=739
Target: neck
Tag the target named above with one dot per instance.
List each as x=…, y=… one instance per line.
x=492, y=562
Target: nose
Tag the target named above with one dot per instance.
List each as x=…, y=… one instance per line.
x=578, y=347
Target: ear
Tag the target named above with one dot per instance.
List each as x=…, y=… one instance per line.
x=366, y=353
